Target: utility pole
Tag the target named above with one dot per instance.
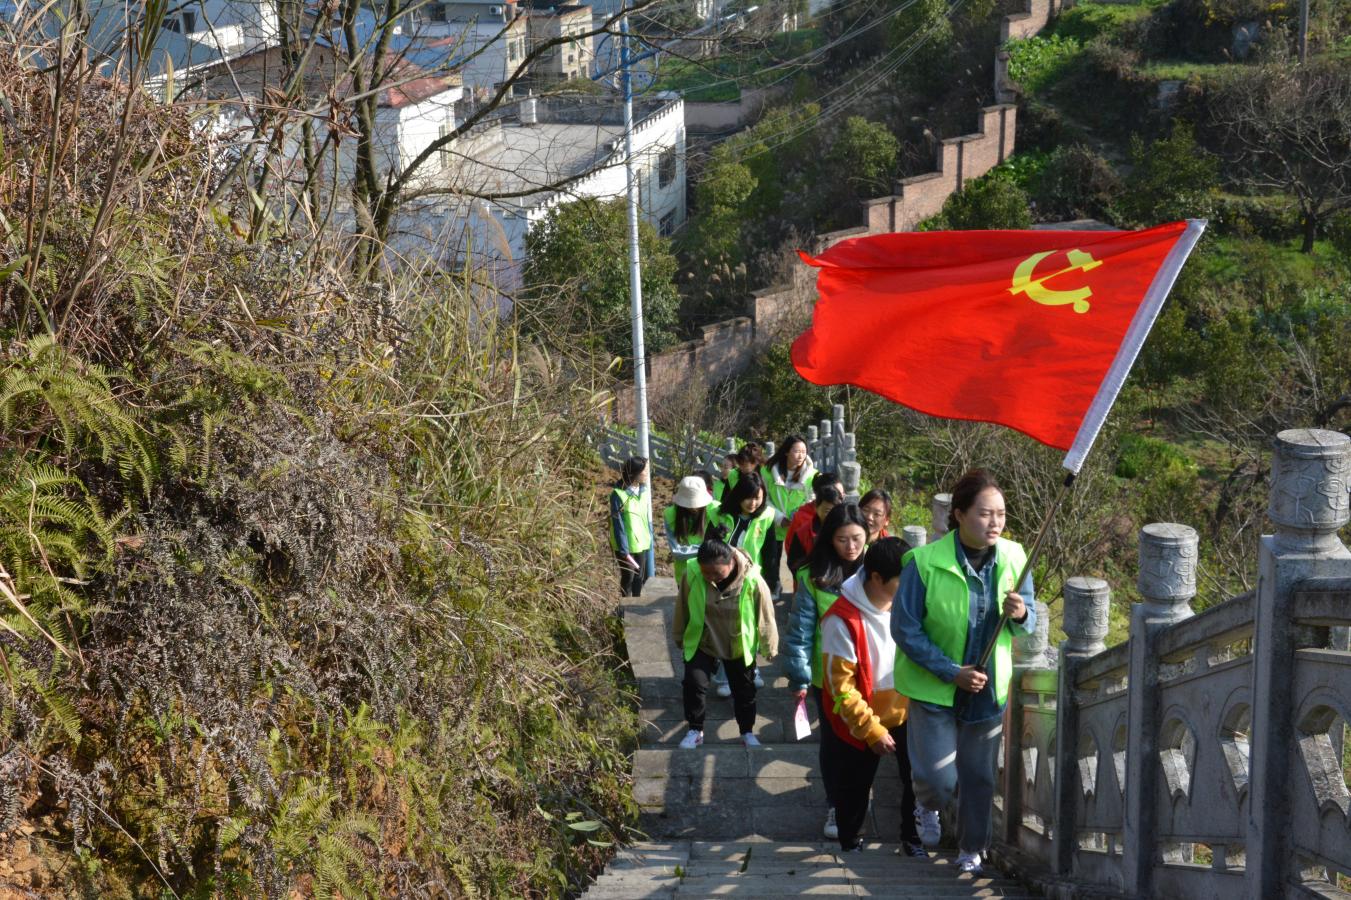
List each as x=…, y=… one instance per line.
x=635, y=263
x=1303, y=30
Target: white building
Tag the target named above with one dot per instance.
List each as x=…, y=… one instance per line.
x=497, y=182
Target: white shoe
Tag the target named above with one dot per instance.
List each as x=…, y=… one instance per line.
x=722, y=689
x=750, y=740
x=831, y=830
x=969, y=863
x=691, y=739
x=759, y=682
x=930, y=829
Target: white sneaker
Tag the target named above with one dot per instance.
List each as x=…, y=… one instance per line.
x=930, y=829
x=832, y=830
x=722, y=689
x=750, y=740
x=691, y=739
x=969, y=863
x=759, y=682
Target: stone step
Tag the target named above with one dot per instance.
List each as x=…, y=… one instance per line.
x=663, y=719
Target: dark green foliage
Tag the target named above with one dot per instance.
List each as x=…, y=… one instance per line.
x=1075, y=182
x=864, y=153
x=578, y=282
x=1037, y=61
x=993, y=201
x=1172, y=178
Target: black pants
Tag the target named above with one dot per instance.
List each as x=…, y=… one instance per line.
x=829, y=758
x=856, y=770
x=770, y=553
x=740, y=676
x=630, y=582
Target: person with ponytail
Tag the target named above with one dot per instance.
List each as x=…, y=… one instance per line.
x=724, y=613
x=686, y=520
x=748, y=517
x=631, y=527
x=947, y=610
x=865, y=712
x=788, y=479
x=836, y=556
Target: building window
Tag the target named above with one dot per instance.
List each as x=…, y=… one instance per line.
x=666, y=227
x=436, y=12
x=666, y=167
x=185, y=22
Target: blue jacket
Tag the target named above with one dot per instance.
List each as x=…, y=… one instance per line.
x=797, y=647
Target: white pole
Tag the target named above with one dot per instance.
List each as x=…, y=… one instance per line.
x=635, y=263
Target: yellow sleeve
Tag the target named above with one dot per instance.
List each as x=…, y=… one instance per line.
x=862, y=721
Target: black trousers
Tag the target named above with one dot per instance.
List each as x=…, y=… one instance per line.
x=828, y=757
x=856, y=770
x=770, y=553
x=630, y=581
x=741, y=678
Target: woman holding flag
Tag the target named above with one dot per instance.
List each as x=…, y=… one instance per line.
x=956, y=595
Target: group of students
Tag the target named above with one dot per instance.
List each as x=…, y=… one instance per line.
x=887, y=638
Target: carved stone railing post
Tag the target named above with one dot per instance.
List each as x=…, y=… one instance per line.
x=827, y=448
x=770, y=449
x=1029, y=654
x=814, y=447
x=1087, y=606
x=837, y=429
x=850, y=475
x=942, y=504
x=1167, y=583
x=1309, y=503
x=850, y=451
x=914, y=536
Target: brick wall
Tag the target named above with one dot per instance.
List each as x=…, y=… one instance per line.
x=727, y=348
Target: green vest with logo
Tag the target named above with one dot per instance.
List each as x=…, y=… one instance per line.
x=947, y=603
x=786, y=500
x=748, y=607
x=637, y=526
x=824, y=600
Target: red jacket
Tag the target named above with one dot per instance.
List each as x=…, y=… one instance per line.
x=801, y=535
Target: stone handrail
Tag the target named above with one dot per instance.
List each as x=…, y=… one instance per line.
x=830, y=446
x=1204, y=757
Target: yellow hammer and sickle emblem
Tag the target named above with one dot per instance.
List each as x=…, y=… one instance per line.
x=1036, y=289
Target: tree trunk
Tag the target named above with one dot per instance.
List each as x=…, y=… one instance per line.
x=1310, y=232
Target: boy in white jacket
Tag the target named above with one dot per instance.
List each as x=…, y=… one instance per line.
x=868, y=715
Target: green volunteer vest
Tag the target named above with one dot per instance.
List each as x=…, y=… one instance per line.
x=678, y=566
x=824, y=600
x=633, y=513
x=947, y=601
x=748, y=605
x=753, y=541
x=785, y=500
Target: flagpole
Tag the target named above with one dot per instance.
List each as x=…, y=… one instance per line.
x=1032, y=554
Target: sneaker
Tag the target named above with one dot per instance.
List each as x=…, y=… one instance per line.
x=693, y=738
x=915, y=850
x=857, y=847
x=722, y=689
x=832, y=830
x=969, y=863
x=749, y=740
x=759, y=682
x=930, y=829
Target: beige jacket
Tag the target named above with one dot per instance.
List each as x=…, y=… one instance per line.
x=722, y=617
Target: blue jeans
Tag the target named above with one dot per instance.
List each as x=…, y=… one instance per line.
x=951, y=759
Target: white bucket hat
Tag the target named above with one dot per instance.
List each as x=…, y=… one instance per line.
x=692, y=493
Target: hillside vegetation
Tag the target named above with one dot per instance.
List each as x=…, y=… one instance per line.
x=299, y=591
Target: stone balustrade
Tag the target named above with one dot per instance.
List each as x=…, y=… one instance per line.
x=1206, y=756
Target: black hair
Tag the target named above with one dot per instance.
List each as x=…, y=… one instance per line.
x=967, y=489
x=826, y=482
x=779, y=461
x=828, y=570
x=709, y=479
x=884, y=557
x=690, y=523
x=632, y=468
x=752, y=453
x=715, y=549
x=746, y=487
x=876, y=494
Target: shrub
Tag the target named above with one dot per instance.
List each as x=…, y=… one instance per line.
x=993, y=201
x=1037, y=61
x=1076, y=182
x=1172, y=178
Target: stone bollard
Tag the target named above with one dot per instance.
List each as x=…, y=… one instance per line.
x=814, y=446
x=942, y=505
x=850, y=474
x=1088, y=603
x=1029, y=650
x=914, y=536
x=1309, y=480
x=1167, y=579
x=850, y=451
x=827, y=463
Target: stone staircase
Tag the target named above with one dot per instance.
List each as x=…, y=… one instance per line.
x=724, y=821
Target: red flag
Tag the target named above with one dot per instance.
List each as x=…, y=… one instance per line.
x=1035, y=330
